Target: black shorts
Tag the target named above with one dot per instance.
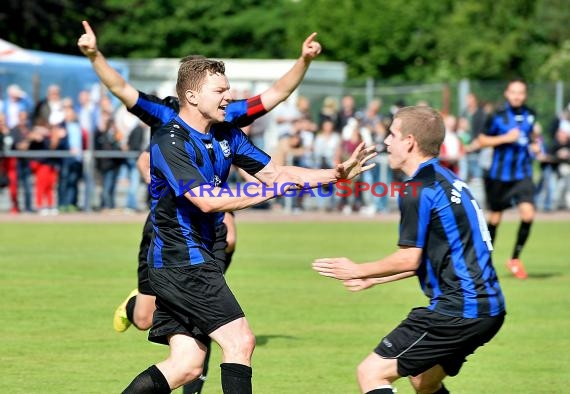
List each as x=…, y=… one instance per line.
x=503, y=195
x=193, y=300
x=426, y=339
x=142, y=271
x=219, y=251
x=220, y=245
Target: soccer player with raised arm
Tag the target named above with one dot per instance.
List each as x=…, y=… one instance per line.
x=138, y=308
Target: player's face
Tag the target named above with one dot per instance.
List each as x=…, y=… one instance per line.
x=396, y=145
x=516, y=94
x=214, y=97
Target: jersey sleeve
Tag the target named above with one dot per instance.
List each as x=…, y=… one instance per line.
x=154, y=111
x=246, y=155
x=172, y=164
x=491, y=128
x=415, y=217
x=242, y=113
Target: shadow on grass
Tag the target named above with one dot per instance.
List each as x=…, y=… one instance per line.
x=536, y=275
x=261, y=340
x=543, y=275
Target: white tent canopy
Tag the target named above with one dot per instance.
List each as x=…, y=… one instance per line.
x=11, y=53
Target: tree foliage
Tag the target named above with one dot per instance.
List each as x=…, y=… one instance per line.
x=400, y=40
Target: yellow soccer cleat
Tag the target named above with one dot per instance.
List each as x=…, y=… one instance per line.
x=120, y=320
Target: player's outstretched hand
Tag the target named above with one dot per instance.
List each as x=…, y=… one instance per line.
x=336, y=267
x=356, y=163
x=286, y=181
x=358, y=284
x=87, y=43
x=311, y=48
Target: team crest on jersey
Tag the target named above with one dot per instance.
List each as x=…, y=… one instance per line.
x=530, y=118
x=217, y=181
x=225, y=148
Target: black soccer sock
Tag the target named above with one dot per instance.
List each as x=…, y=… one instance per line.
x=524, y=231
x=382, y=390
x=131, y=308
x=236, y=378
x=492, y=231
x=151, y=381
x=442, y=390
x=195, y=386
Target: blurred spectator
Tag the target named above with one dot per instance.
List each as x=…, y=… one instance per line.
x=50, y=109
x=476, y=117
x=452, y=148
x=8, y=164
x=17, y=101
x=329, y=112
x=21, y=140
x=132, y=133
x=45, y=137
x=72, y=167
x=400, y=103
x=349, y=201
x=86, y=112
x=301, y=151
x=107, y=137
x=561, y=153
x=326, y=153
x=381, y=174
x=257, y=131
x=346, y=112
x=284, y=115
x=372, y=116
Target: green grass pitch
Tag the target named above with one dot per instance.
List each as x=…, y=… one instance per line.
x=60, y=284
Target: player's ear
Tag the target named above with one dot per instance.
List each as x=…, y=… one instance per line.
x=191, y=97
x=411, y=141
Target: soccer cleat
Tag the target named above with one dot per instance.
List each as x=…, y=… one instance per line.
x=517, y=268
x=120, y=320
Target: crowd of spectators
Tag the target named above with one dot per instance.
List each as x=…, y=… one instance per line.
x=56, y=131
x=53, y=183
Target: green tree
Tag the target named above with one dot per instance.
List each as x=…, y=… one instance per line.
x=47, y=25
x=174, y=28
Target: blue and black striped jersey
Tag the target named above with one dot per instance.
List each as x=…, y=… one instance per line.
x=439, y=215
x=157, y=112
x=185, y=160
x=512, y=162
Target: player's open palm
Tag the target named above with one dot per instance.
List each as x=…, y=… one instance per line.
x=337, y=267
x=358, y=284
x=356, y=163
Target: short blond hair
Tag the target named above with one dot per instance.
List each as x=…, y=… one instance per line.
x=192, y=73
x=426, y=125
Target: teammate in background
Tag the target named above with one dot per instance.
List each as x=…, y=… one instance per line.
x=444, y=241
x=510, y=131
x=193, y=302
x=139, y=306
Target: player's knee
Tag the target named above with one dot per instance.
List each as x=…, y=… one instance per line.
x=248, y=341
x=424, y=386
x=363, y=372
x=143, y=324
x=143, y=321
x=243, y=346
x=191, y=373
